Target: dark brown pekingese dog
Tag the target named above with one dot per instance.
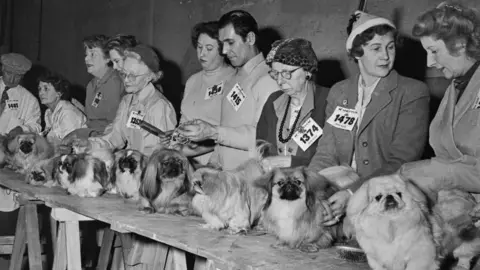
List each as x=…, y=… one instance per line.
x=26, y=150
x=166, y=186
x=229, y=199
x=127, y=173
x=294, y=210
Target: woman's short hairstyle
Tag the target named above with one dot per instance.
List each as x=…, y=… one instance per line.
x=367, y=35
x=208, y=28
x=120, y=43
x=59, y=83
x=96, y=41
x=452, y=23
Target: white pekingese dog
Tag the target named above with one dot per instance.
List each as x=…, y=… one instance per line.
x=127, y=173
x=393, y=225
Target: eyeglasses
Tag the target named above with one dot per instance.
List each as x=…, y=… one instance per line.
x=286, y=74
x=130, y=77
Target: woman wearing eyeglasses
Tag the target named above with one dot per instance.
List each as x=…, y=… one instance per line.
x=142, y=102
x=377, y=120
x=292, y=119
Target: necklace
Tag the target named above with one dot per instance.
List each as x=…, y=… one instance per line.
x=280, y=137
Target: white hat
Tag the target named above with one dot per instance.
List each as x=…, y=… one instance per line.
x=363, y=22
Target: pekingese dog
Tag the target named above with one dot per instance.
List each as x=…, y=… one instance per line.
x=229, y=199
x=43, y=172
x=26, y=150
x=293, y=211
x=392, y=224
x=83, y=175
x=127, y=173
x=166, y=186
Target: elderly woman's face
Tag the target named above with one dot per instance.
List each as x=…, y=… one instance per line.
x=10, y=79
x=117, y=59
x=438, y=56
x=208, y=52
x=95, y=61
x=136, y=75
x=378, y=56
x=47, y=93
x=290, y=79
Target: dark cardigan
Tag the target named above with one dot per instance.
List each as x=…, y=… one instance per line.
x=267, y=124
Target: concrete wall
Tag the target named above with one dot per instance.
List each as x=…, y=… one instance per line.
x=50, y=31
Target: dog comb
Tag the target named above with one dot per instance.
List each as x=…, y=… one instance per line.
x=350, y=253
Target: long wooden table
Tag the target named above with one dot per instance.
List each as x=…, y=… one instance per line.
x=184, y=233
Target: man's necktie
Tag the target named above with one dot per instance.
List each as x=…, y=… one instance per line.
x=4, y=99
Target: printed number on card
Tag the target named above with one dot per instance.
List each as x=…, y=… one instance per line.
x=134, y=120
x=343, y=118
x=307, y=134
x=96, y=99
x=236, y=97
x=215, y=90
x=12, y=104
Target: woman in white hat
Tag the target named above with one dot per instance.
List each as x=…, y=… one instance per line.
x=450, y=33
x=377, y=120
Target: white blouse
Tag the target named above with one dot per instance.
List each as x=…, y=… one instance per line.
x=64, y=119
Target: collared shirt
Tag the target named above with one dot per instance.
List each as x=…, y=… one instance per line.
x=157, y=111
x=23, y=111
x=200, y=101
x=64, y=119
x=102, y=99
x=462, y=81
x=236, y=133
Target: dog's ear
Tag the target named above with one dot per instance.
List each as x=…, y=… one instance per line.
x=265, y=182
x=151, y=184
x=316, y=186
x=358, y=202
x=100, y=172
x=264, y=149
x=189, y=171
x=203, y=178
x=43, y=147
x=417, y=195
x=13, y=144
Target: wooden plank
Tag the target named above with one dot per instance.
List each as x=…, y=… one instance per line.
x=227, y=251
x=203, y=264
x=74, y=261
x=20, y=241
x=60, y=257
x=176, y=259
x=33, y=238
x=105, y=250
x=6, y=240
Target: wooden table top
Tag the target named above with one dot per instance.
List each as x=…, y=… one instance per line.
x=185, y=233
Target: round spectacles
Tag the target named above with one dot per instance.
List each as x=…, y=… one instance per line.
x=286, y=74
x=130, y=77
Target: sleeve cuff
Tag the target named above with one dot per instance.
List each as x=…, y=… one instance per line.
x=221, y=134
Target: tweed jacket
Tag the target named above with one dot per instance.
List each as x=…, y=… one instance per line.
x=393, y=130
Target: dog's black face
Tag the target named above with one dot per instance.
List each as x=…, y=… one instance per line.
x=389, y=200
x=289, y=188
x=26, y=146
x=127, y=163
x=66, y=163
x=172, y=167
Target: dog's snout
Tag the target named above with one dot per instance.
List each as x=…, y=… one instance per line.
x=26, y=147
x=390, y=202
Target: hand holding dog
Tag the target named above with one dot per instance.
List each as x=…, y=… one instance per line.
x=198, y=130
x=338, y=205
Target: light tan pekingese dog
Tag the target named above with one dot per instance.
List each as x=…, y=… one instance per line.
x=229, y=199
x=397, y=230
x=166, y=183
x=294, y=211
x=27, y=149
x=127, y=173
x=392, y=224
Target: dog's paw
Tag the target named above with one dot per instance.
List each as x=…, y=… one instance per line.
x=237, y=231
x=309, y=248
x=211, y=227
x=50, y=184
x=279, y=245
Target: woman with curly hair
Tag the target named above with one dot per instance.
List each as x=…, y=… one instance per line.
x=61, y=116
x=450, y=34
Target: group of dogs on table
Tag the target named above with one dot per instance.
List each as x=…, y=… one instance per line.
x=390, y=218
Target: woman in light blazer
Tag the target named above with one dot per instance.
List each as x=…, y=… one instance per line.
x=377, y=120
x=450, y=33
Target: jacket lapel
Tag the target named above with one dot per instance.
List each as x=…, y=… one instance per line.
x=380, y=98
x=348, y=100
x=468, y=98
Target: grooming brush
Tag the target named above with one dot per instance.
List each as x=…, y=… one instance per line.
x=350, y=251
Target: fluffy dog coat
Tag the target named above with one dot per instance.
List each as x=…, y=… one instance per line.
x=127, y=173
x=26, y=150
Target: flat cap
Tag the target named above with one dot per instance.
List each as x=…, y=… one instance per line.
x=16, y=63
